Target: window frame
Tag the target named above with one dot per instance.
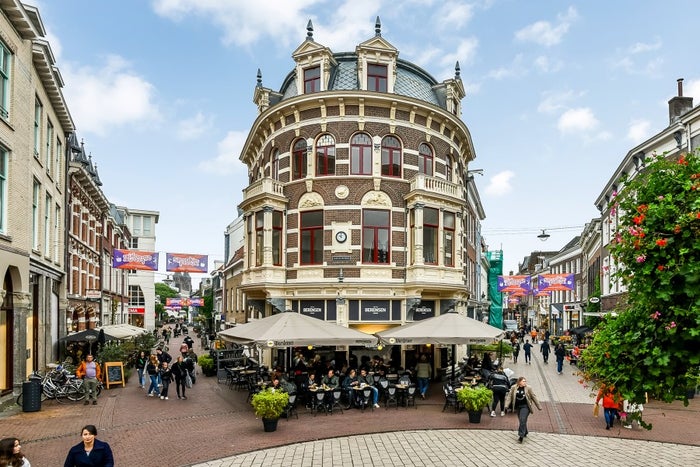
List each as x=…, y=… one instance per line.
x=448, y=168
x=312, y=83
x=376, y=230
x=314, y=232
x=36, y=190
x=448, y=245
x=431, y=229
x=377, y=77
x=259, y=223
x=49, y=147
x=5, y=77
x=4, y=182
x=358, y=152
x=426, y=160
x=299, y=160
x=275, y=164
x=48, y=207
x=389, y=154
x=277, y=232
x=325, y=155
x=38, y=117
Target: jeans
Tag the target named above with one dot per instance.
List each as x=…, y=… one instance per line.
x=164, y=390
x=560, y=364
x=610, y=415
x=90, y=385
x=140, y=370
x=153, y=388
x=523, y=413
x=527, y=357
x=423, y=385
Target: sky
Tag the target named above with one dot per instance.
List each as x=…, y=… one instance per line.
x=557, y=93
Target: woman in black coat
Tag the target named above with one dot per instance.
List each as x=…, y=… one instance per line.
x=91, y=452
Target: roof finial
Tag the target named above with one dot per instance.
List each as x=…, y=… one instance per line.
x=310, y=31
x=259, y=78
x=378, y=28
x=457, y=70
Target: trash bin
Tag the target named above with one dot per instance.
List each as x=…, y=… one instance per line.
x=31, y=396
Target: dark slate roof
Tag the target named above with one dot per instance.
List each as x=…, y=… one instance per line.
x=411, y=80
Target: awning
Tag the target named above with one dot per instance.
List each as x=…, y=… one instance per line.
x=122, y=331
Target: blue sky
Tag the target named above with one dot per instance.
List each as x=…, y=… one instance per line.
x=557, y=93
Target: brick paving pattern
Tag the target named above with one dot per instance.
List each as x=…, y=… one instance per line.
x=216, y=423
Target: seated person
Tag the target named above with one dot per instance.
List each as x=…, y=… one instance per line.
x=276, y=384
x=350, y=383
x=329, y=382
x=365, y=379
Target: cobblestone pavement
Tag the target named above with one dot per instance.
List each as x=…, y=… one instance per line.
x=215, y=422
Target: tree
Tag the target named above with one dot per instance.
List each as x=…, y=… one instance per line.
x=652, y=346
x=163, y=292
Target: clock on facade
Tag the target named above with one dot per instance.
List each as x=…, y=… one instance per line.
x=341, y=236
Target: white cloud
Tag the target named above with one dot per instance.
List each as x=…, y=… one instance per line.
x=193, y=127
x=546, y=33
x=227, y=160
x=641, y=47
x=500, y=184
x=577, y=120
x=639, y=130
x=465, y=53
x=515, y=69
x=454, y=15
x=692, y=88
x=113, y=95
x=554, y=101
x=543, y=64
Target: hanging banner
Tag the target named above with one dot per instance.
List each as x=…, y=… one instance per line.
x=133, y=259
x=550, y=282
x=182, y=262
x=196, y=301
x=514, y=284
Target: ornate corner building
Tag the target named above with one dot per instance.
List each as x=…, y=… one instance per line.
x=357, y=209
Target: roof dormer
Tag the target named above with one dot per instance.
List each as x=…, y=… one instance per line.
x=314, y=63
x=376, y=63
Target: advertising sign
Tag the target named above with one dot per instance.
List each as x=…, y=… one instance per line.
x=133, y=259
x=183, y=262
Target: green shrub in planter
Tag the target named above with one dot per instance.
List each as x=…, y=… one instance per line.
x=474, y=399
x=207, y=364
x=269, y=404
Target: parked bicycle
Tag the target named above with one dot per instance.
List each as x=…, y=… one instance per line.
x=58, y=384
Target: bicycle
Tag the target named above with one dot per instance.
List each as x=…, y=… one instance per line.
x=57, y=384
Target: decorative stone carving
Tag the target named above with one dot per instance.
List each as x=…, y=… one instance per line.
x=341, y=192
x=376, y=198
x=310, y=200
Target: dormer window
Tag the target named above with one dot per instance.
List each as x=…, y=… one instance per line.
x=312, y=80
x=377, y=78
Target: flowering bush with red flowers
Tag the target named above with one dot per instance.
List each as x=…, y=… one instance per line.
x=652, y=346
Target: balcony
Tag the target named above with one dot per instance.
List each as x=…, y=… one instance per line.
x=262, y=189
x=424, y=185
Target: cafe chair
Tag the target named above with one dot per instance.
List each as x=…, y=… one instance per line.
x=450, y=398
x=376, y=378
x=319, y=402
x=383, y=386
x=367, y=397
x=337, y=396
x=391, y=397
x=405, y=380
x=411, y=396
x=291, y=408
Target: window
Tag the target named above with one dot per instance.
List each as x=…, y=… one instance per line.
x=134, y=245
x=277, y=238
x=147, y=230
x=376, y=228
x=311, y=237
x=275, y=164
x=136, y=297
x=376, y=78
x=49, y=142
x=3, y=189
x=312, y=80
x=259, y=237
x=58, y=166
x=448, y=238
x=325, y=155
x=136, y=226
x=5, y=59
x=448, y=168
x=57, y=234
x=38, y=112
x=425, y=159
x=361, y=155
x=35, y=215
x=391, y=157
x=431, y=226
x=299, y=160
x=48, y=207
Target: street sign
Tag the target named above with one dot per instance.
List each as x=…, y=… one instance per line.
x=594, y=299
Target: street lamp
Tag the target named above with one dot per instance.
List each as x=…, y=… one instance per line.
x=543, y=236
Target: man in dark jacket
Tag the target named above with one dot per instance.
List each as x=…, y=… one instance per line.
x=499, y=384
x=544, y=348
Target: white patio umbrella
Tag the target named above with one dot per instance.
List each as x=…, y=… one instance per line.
x=446, y=329
x=292, y=329
x=122, y=331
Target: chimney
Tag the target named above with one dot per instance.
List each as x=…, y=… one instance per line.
x=679, y=105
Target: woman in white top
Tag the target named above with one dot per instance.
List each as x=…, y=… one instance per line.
x=11, y=453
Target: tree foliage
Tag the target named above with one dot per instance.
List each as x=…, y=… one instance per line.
x=652, y=346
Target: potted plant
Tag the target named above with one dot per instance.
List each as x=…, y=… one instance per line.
x=269, y=404
x=207, y=365
x=474, y=399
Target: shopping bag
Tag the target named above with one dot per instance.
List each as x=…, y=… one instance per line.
x=596, y=410
x=188, y=380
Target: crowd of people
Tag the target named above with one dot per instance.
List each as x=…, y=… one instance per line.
x=161, y=370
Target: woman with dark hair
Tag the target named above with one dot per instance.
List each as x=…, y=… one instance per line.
x=522, y=400
x=11, y=454
x=91, y=452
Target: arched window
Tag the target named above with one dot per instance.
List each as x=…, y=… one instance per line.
x=361, y=154
x=425, y=159
x=299, y=160
x=325, y=155
x=275, y=164
x=391, y=156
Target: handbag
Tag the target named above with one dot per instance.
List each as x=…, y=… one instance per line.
x=596, y=410
x=188, y=380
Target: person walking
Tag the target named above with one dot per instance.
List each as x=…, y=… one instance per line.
x=500, y=384
x=166, y=377
x=544, y=349
x=516, y=351
x=89, y=371
x=11, y=453
x=560, y=353
x=179, y=371
x=528, y=352
x=611, y=404
x=520, y=400
x=423, y=373
x=91, y=452
x=141, y=362
x=152, y=370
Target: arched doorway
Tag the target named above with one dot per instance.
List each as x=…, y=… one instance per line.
x=7, y=335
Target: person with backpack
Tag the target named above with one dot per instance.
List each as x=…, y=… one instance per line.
x=500, y=385
x=190, y=363
x=516, y=351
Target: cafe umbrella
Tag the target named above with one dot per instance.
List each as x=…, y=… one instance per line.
x=449, y=328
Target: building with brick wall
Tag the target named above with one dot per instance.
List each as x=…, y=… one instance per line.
x=358, y=208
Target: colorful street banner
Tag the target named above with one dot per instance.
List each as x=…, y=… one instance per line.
x=184, y=301
x=132, y=259
x=514, y=284
x=550, y=282
x=541, y=293
x=196, y=301
x=174, y=302
x=183, y=262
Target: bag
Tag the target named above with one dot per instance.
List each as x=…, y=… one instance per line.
x=188, y=380
x=596, y=410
